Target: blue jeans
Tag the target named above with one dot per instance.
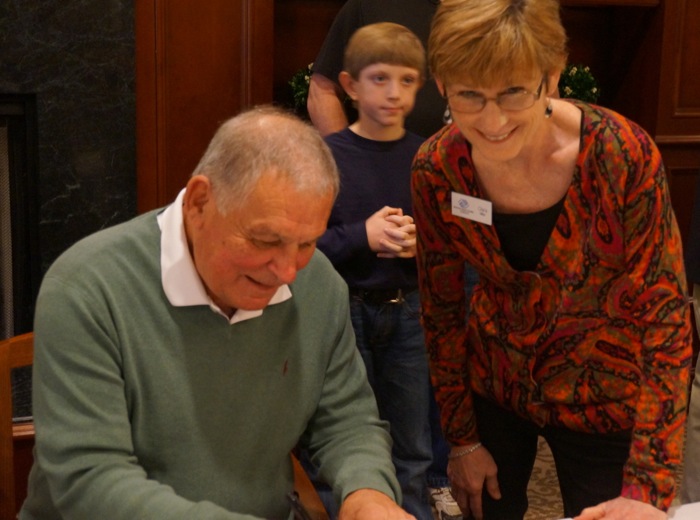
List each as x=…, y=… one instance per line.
x=437, y=472
x=391, y=342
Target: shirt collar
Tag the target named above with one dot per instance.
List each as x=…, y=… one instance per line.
x=181, y=283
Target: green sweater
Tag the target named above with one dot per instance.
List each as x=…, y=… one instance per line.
x=144, y=410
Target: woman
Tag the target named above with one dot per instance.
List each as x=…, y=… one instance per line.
x=579, y=329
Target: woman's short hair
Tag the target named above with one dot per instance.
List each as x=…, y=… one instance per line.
x=266, y=140
x=383, y=42
x=491, y=42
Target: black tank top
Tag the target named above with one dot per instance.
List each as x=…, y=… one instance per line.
x=523, y=236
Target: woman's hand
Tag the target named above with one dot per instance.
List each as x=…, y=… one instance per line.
x=622, y=508
x=468, y=475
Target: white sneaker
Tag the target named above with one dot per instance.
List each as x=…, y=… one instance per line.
x=444, y=504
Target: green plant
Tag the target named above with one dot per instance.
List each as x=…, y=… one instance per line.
x=577, y=82
x=300, y=87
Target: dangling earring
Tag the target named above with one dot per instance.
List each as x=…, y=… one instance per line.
x=548, y=111
x=447, y=116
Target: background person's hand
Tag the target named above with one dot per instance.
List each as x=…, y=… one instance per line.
x=468, y=475
x=622, y=508
x=400, y=238
x=376, y=225
x=369, y=504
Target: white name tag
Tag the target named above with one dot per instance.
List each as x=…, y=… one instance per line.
x=478, y=210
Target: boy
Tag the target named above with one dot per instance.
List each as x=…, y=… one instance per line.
x=371, y=241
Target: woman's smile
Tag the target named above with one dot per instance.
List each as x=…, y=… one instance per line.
x=497, y=138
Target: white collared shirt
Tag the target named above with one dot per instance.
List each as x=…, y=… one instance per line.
x=181, y=282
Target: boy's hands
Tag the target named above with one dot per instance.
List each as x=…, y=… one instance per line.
x=391, y=234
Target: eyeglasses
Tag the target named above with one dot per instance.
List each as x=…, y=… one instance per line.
x=513, y=99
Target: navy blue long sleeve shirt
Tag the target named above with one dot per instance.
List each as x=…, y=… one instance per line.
x=373, y=174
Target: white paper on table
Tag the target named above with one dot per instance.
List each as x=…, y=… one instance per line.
x=685, y=512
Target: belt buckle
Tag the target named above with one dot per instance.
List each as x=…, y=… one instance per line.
x=398, y=298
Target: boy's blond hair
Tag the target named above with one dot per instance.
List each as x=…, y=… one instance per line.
x=383, y=42
x=492, y=42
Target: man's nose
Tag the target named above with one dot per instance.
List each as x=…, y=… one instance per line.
x=285, y=264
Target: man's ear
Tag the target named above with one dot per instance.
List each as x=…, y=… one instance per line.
x=348, y=83
x=198, y=198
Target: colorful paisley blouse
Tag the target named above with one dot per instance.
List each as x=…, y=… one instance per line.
x=597, y=338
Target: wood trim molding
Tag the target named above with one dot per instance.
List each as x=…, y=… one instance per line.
x=148, y=192
x=677, y=139
x=679, y=84
x=257, y=51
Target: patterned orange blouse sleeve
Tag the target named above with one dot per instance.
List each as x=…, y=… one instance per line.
x=655, y=298
x=443, y=302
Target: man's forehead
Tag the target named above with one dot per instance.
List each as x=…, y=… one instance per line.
x=286, y=231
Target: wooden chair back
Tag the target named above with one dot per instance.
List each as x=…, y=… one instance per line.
x=307, y=492
x=14, y=353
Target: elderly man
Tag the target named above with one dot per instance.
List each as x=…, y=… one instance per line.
x=182, y=355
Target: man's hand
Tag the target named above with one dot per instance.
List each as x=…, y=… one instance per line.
x=369, y=504
x=622, y=508
x=468, y=474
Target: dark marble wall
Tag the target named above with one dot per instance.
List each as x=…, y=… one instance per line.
x=77, y=57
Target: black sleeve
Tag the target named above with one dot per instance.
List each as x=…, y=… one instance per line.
x=329, y=61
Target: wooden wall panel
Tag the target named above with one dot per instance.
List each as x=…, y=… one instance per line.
x=681, y=162
x=201, y=62
x=300, y=28
x=635, y=60
x=198, y=63
x=679, y=96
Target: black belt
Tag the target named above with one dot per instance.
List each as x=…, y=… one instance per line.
x=377, y=296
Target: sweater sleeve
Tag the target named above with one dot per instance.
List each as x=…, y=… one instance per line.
x=342, y=241
x=329, y=61
x=657, y=299
x=345, y=437
x=443, y=301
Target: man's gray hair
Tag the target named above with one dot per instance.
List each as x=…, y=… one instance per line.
x=262, y=141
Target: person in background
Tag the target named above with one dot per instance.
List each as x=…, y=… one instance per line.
x=325, y=101
x=579, y=328
x=370, y=240
x=181, y=356
x=328, y=114
x=690, y=490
